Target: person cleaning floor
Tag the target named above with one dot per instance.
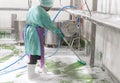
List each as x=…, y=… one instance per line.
x=37, y=19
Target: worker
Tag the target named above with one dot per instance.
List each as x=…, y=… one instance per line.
x=37, y=19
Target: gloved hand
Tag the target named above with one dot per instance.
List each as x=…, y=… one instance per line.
x=59, y=33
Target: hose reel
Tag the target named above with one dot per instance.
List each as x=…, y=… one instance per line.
x=69, y=28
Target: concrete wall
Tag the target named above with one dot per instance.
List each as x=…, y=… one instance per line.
x=108, y=43
x=107, y=51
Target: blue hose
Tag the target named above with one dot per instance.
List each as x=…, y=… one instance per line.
x=13, y=63
x=13, y=70
x=44, y=34
x=55, y=50
x=59, y=37
x=59, y=11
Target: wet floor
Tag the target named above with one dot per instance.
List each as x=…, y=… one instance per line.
x=63, y=67
x=78, y=75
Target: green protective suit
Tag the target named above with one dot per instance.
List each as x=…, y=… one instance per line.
x=36, y=16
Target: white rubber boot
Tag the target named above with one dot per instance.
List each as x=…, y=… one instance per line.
x=44, y=69
x=40, y=76
x=31, y=72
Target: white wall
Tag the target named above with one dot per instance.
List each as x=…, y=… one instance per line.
x=108, y=43
x=109, y=6
x=110, y=38
x=106, y=6
x=14, y=3
x=5, y=16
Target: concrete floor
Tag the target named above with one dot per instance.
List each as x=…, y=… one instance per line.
x=55, y=68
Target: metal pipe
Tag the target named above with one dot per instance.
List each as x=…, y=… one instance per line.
x=29, y=3
x=116, y=4
x=101, y=5
x=88, y=7
x=22, y=9
x=109, y=6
